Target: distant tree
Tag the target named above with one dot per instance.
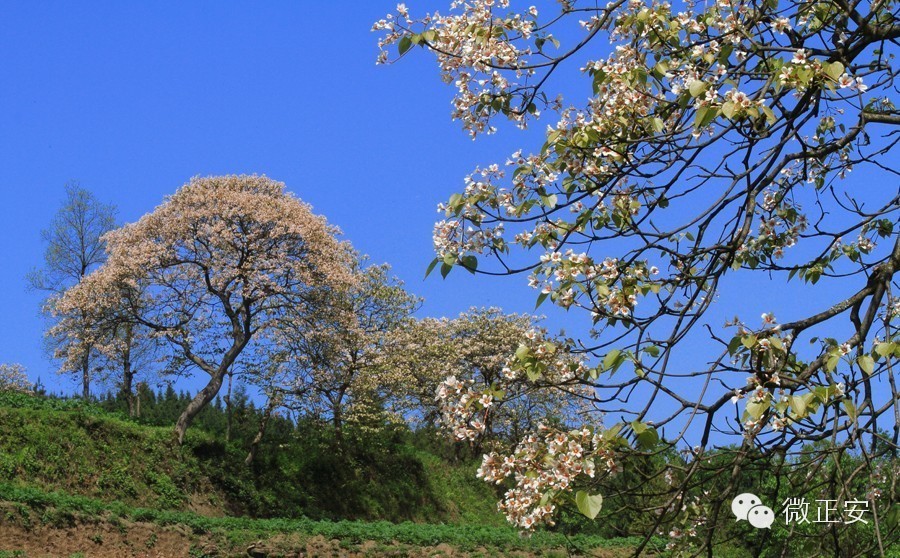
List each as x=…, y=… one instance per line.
x=466, y=360
x=74, y=248
x=343, y=353
x=222, y=262
x=121, y=346
x=13, y=378
x=128, y=351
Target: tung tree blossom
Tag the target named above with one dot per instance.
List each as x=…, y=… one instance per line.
x=718, y=140
x=223, y=262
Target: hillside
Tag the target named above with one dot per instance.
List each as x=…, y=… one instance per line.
x=78, y=480
x=82, y=449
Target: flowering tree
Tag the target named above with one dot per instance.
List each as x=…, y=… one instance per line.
x=480, y=399
x=343, y=355
x=717, y=142
x=13, y=378
x=74, y=249
x=222, y=262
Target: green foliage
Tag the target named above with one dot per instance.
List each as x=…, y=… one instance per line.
x=383, y=473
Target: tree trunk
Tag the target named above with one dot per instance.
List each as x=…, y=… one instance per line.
x=263, y=423
x=128, y=374
x=228, y=409
x=137, y=400
x=338, y=421
x=86, y=377
x=216, y=377
x=201, y=400
x=337, y=418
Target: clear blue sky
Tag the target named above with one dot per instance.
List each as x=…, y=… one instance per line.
x=132, y=99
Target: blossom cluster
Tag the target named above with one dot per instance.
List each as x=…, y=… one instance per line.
x=471, y=47
x=543, y=465
x=466, y=406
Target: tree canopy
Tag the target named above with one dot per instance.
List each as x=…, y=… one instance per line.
x=222, y=263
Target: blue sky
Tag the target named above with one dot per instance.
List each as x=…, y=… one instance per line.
x=132, y=99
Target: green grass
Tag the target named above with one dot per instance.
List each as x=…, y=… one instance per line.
x=470, y=500
x=80, y=449
x=59, y=509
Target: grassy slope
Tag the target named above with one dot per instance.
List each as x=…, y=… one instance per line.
x=86, y=452
x=79, y=449
x=65, y=465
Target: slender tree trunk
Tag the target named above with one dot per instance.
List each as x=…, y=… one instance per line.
x=228, y=409
x=337, y=418
x=137, y=399
x=208, y=393
x=263, y=423
x=128, y=374
x=201, y=400
x=86, y=377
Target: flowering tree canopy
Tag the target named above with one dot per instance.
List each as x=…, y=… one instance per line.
x=14, y=378
x=464, y=362
x=338, y=364
x=717, y=142
x=222, y=262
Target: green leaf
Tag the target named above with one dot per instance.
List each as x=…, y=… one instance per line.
x=798, y=404
x=892, y=517
x=866, y=364
x=748, y=341
x=588, y=504
x=445, y=269
x=405, y=44
x=832, y=361
x=697, y=87
x=431, y=266
x=850, y=407
x=834, y=70
x=647, y=437
x=612, y=431
x=470, y=263
x=523, y=352
x=884, y=349
x=456, y=202
x=610, y=359
x=728, y=109
x=755, y=409
x=705, y=115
